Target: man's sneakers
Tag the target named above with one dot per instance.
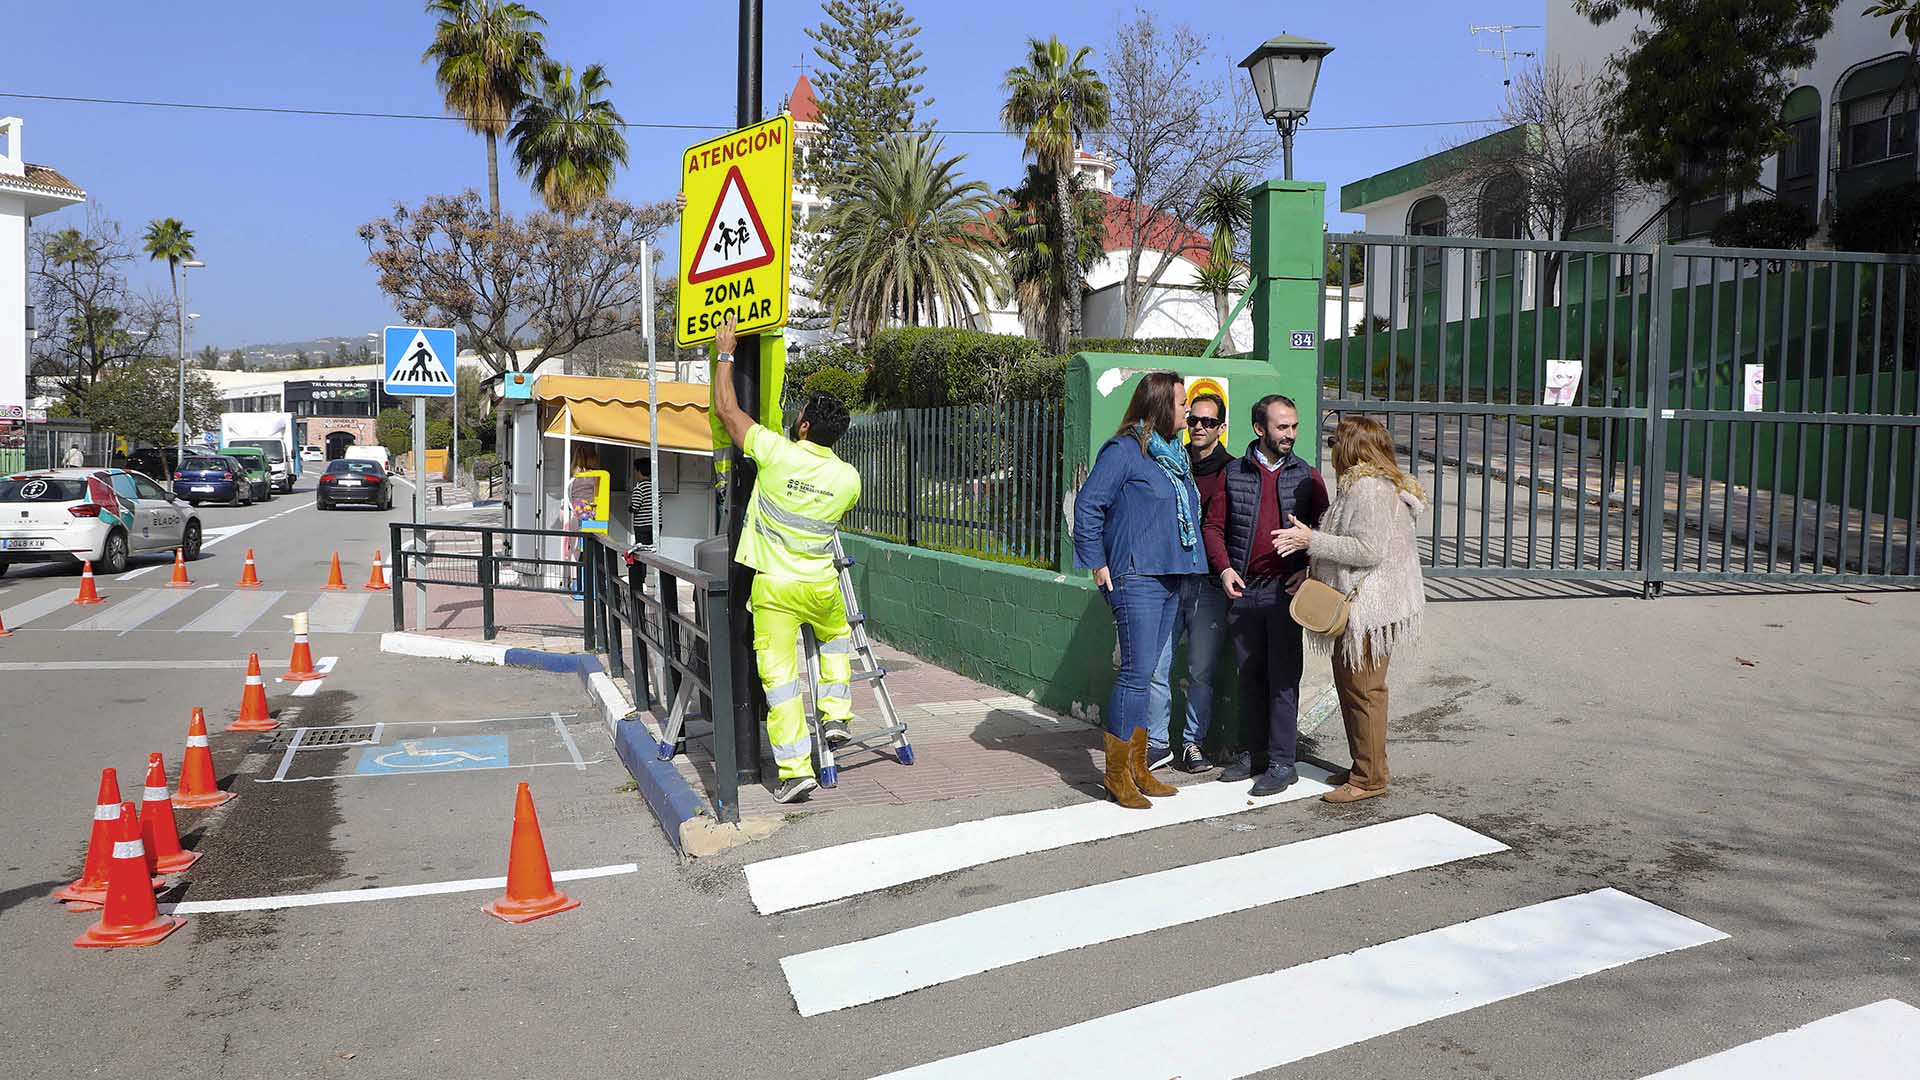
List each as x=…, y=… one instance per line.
x=1158, y=757
x=1241, y=767
x=1194, y=760
x=836, y=732
x=1275, y=780
x=795, y=790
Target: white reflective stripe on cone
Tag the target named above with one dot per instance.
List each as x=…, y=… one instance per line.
x=129, y=849
x=106, y=812
x=255, y=680
x=157, y=794
x=196, y=740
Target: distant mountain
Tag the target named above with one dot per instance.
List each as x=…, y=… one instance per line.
x=285, y=355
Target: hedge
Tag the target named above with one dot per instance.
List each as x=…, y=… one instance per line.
x=1169, y=346
x=923, y=367
x=849, y=386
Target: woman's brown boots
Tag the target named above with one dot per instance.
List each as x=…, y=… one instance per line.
x=1128, y=779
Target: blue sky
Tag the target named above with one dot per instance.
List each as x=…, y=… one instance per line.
x=274, y=200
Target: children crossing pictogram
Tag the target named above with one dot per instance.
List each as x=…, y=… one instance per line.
x=735, y=240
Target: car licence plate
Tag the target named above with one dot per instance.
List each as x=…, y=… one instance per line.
x=201, y=487
x=349, y=483
x=22, y=545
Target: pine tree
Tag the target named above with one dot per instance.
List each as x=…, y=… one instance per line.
x=869, y=89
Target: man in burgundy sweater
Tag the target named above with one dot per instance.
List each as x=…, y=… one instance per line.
x=1262, y=491
x=1202, y=614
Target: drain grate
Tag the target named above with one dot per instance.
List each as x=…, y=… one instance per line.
x=349, y=735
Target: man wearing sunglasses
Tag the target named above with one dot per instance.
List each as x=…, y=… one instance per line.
x=1202, y=610
x=1271, y=485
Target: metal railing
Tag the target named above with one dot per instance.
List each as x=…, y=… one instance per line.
x=491, y=559
x=981, y=480
x=657, y=622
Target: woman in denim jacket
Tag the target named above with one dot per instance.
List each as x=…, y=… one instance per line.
x=1136, y=525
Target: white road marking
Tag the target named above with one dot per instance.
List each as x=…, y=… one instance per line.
x=336, y=613
x=227, y=532
x=139, y=608
x=1880, y=1041
x=40, y=606
x=567, y=737
x=451, y=772
x=235, y=612
x=1324, y=1005
x=835, y=873
x=921, y=956
x=387, y=892
x=324, y=665
x=121, y=665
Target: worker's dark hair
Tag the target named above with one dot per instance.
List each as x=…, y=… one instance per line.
x=826, y=417
x=1260, y=409
x=1152, y=409
x=1219, y=404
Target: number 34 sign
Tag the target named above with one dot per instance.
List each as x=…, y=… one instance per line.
x=734, y=237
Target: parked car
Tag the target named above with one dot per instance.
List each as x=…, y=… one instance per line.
x=158, y=462
x=259, y=471
x=102, y=516
x=212, y=478
x=312, y=453
x=350, y=481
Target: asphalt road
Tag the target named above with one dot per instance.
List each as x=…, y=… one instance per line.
x=1606, y=741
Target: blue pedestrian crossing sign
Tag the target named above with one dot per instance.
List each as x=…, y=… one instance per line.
x=419, y=362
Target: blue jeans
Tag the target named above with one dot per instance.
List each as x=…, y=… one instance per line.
x=1202, y=617
x=1144, y=609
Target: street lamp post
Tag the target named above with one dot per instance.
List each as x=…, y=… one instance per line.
x=1284, y=70
x=180, y=319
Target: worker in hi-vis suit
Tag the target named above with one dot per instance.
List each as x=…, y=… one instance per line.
x=801, y=492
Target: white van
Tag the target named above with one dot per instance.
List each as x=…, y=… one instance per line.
x=369, y=453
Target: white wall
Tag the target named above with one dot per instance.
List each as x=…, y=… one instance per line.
x=13, y=306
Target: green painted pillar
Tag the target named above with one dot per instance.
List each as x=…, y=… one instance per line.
x=1289, y=254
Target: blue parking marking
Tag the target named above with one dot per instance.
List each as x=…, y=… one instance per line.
x=435, y=754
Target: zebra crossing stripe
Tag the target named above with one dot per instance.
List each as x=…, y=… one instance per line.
x=40, y=606
x=921, y=956
x=835, y=873
x=336, y=614
x=234, y=613
x=145, y=605
x=1880, y=1041
x=1321, y=1006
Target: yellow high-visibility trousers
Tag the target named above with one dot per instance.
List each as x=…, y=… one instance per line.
x=780, y=607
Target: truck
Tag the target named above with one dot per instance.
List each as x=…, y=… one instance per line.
x=270, y=433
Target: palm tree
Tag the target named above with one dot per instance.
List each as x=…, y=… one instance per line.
x=904, y=239
x=486, y=53
x=1225, y=208
x=169, y=239
x=569, y=138
x=1052, y=101
x=1028, y=231
x=70, y=247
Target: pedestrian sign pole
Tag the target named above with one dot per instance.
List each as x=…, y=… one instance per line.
x=420, y=364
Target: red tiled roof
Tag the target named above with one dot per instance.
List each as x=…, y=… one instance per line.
x=802, y=104
x=1162, y=231
x=41, y=178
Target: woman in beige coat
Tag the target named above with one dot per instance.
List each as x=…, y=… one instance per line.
x=1366, y=547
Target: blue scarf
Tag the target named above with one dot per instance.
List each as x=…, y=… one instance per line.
x=1172, y=459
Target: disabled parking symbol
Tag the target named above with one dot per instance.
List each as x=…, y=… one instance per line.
x=438, y=754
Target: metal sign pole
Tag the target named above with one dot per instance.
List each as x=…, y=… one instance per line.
x=419, y=502
x=653, y=395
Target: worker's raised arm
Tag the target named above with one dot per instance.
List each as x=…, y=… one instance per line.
x=731, y=414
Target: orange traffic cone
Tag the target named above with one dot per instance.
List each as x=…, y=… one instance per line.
x=253, y=701
x=129, y=916
x=87, y=593
x=530, y=892
x=179, y=572
x=334, y=580
x=158, y=831
x=247, y=578
x=198, y=789
x=377, y=582
x=91, y=887
x=300, y=668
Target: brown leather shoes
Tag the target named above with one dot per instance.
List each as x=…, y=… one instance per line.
x=1347, y=793
x=1120, y=776
x=1338, y=777
x=1143, y=779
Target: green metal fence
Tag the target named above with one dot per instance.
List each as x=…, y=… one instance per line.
x=13, y=461
x=981, y=480
x=1657, y=466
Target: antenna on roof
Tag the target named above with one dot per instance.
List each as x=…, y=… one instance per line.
x=1505, y=54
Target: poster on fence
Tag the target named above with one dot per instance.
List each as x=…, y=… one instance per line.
x=1756, y=382
x=1563, y=382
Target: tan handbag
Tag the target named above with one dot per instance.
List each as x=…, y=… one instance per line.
x=1321, y=608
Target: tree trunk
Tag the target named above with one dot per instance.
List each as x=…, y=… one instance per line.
x=493, y=174
x=1220, y=309
x=1070, y=244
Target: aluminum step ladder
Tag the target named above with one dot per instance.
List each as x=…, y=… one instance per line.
x=866, y=668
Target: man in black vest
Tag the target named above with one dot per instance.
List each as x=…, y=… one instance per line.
x=1264, y=490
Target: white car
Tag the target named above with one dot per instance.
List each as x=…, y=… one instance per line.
x=312, y=453
x=103, y=516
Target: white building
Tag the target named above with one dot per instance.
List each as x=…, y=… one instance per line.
x=26, y=192
x=1851, y=134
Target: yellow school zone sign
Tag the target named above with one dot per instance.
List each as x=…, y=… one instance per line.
x=736, y=229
